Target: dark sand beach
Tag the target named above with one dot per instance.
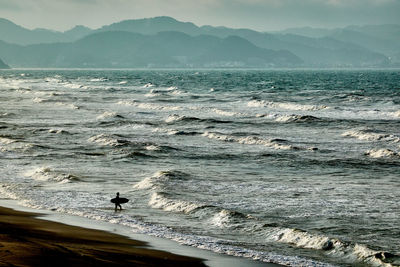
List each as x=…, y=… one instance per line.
x=28, y=241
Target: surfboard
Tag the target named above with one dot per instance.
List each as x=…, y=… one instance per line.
x=120, y=200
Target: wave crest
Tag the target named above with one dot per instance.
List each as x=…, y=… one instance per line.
x=47, y=174
x=161, y=201
x=160, y=178
x=371, y=135
x=382, y=153
x=286, y=106
x=250, y=140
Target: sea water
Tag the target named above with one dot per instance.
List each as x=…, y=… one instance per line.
x=298, y=167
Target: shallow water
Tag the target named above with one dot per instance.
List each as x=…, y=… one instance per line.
x=291, y=167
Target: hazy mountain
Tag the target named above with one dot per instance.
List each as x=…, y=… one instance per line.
x=152, y=26
x=367, y=46
x=383, y=39
x=77, y=32
x=117, y=49
x=389, y=47
x=12, y=33
x=334, y=52
x=3, y=65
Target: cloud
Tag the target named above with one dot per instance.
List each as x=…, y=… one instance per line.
x=9, y=5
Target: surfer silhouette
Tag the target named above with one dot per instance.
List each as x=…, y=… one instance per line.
x=118, y=201
x=117, y=204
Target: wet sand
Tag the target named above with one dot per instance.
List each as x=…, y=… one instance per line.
x=28, y=241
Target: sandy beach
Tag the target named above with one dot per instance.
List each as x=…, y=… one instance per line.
x=28, y=241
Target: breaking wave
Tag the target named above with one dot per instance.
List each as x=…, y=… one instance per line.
x=286, y=106
x=226, y=113
x=336, y=248
x=182, y=118
x=161, y=178
x=149, y=106
x=49, y=175
x=372, y=135
x=382, y=153
x=109, y=114
x=251, y=140
x=161, y=201
x=296, y=118
x=108, y=140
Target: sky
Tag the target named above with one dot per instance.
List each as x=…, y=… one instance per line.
x=261, y=15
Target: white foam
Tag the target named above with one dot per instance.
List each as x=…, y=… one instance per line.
x=174, y=118
x=11, y=145
x=152, y=148
x=355, y=253
x=370, y=135
x=248, y=140
x=39, y=100
x=6, y=141
x=57, y=131
x=70, y=106
x=98, y=79
x=75, y=86
x=286, y=106
x=382, y=153
x=226, y=113
x=167, y=131
x=107, y=114
x=150, y=106
x=104, y=139
x=159, y=201
x=306, y=240
x=158, y=179
x=47, y=174
x=148, y=85
x=221, y=219
x=396, y=114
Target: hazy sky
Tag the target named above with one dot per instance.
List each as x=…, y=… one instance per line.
x=263, y=15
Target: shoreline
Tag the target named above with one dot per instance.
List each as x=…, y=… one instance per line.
x=151, y=250
x=28, y=241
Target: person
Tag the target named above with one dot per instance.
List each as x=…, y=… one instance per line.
x=117, y=203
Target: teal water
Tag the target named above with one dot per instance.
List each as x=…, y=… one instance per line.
x=292, y=167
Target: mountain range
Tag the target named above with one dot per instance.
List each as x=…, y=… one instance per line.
x=3, y=65
x=166, y=42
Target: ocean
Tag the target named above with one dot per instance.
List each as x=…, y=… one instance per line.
x=297, y=167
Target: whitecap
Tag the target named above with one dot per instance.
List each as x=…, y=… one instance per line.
x=47, y=174
x=148, y=85
x=58, y=131
x=248, y=140
x=382, y=153
x=160, y=201
x=6, y=141
x=371, y=135
x=286, y=106
x=167, y=131
x=159, y=179
x=105, y=140
x=226, y=113
x=67, y=105
x=108, y=114
x=150, y=106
